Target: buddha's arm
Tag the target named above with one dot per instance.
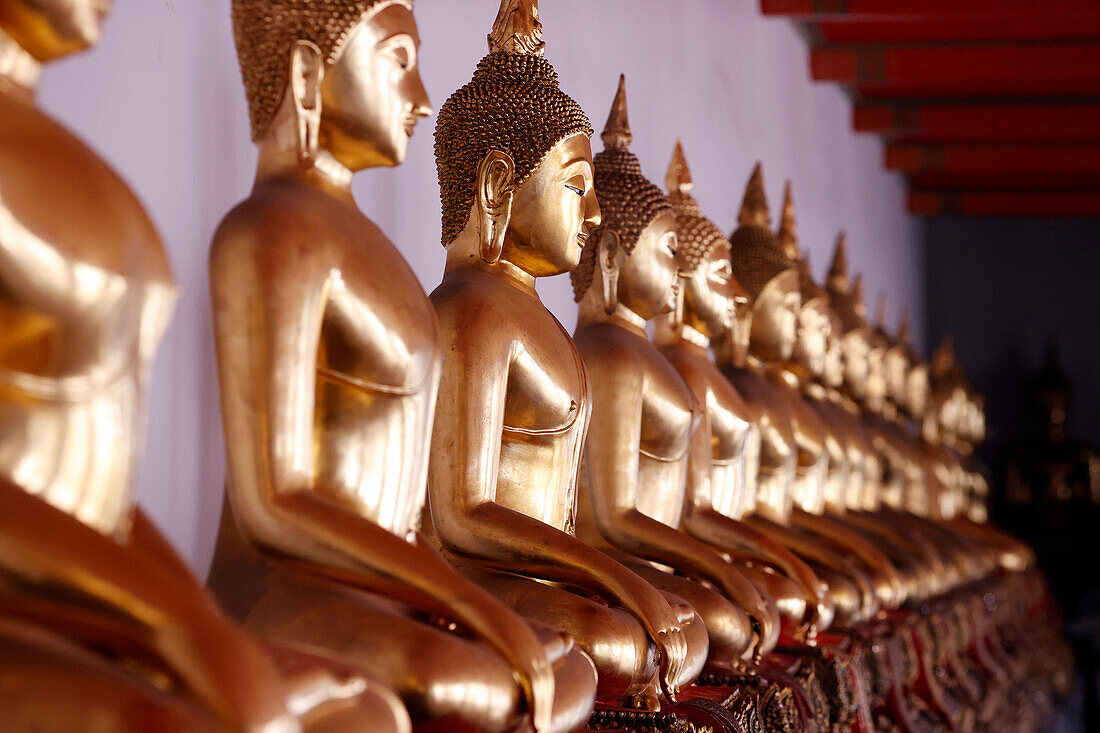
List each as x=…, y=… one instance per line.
x=268, y=331
x=745, y=544
x=462, y=480
x=116, y=595
x=840, y=535
x=612, y=455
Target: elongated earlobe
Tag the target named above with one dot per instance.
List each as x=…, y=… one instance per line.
x=307, y=71
x=609, y=258
x=495, y=193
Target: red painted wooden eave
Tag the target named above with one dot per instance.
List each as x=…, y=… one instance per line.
x=980, y=122
x=1005, y=203
x=994, y=159
x=939, y=30
x=962, y=70
x=905, y=9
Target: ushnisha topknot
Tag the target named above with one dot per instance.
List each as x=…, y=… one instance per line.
x=696, y=235
x=786, y=238
x=628, y=200
x=265, y=32
x=846, y=295
x=754, y=257
x=513, y=104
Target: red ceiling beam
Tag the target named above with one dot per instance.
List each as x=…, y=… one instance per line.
x=926, y=30
x=993, y=159
x=999, y=69
x=1006, y=203
x=1018, y=180
x=983, y=122
x=834, y=9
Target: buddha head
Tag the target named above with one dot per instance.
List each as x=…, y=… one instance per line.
x=340, y=76
x=514, y=157
x=851, y=312
x=832, y=375
x=947, y=394
x=768, y=276
x=631, y=259
x=915, y=398
x=815, y=322
x=714, y=302
x=895, y=358
x=50, y=29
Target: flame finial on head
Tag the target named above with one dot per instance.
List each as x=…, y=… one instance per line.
x=787, y=236
x=754, y=206
x=616, y=133
x=904, y=336
x=944, y=359
x=517, y=28
x=880, y=312
x=678, y=179
x=859, y=305
x=837, y=279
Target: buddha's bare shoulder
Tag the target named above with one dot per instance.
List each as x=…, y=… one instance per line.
x=57, y=190
x=471, y=301
x=607, y=347
x=290, y=218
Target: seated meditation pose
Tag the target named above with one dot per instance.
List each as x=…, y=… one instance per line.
x=815, y=415
x=633, y=468
x=722, y=465
x=770, y=280
x=329, y=360
x=919, y=562
x=102, y=624
x=516, y=181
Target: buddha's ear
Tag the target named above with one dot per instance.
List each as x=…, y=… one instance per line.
x=307, y=71
x=495, y=190
x=610, y=257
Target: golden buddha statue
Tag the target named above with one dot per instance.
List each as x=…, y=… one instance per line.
x=819, y=510
x=723, y=465
x=516, y=180
x=633, y=468
x=329, y=360
x=919, y=563
x=101, y=622
x=792, y=462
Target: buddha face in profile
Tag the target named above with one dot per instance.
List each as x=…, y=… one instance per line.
x=372, y=96
x=648, y=277
x=553, y=212
x=832, y=371
x=856, y=347
x=875, y=387
x=49, y=29
x=895, y=367
x=713, y=296
x=916, y=389
x=775, y=317
x=815, y=325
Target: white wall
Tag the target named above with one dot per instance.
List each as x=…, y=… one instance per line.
x=161, y=98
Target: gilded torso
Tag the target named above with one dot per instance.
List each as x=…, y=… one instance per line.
x=353, y=310
x=545, y=402
x=734, y=433
x=667, y=412
x=85, y=293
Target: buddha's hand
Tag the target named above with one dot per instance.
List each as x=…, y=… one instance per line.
x=229, y=671
x=526, y=653
x=665, y=627
x=742, y=592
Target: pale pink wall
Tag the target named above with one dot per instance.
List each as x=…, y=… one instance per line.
x=161, y=99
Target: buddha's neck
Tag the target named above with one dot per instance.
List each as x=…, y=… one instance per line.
x=669, y=333
x=18, y=69
x=591, y=311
